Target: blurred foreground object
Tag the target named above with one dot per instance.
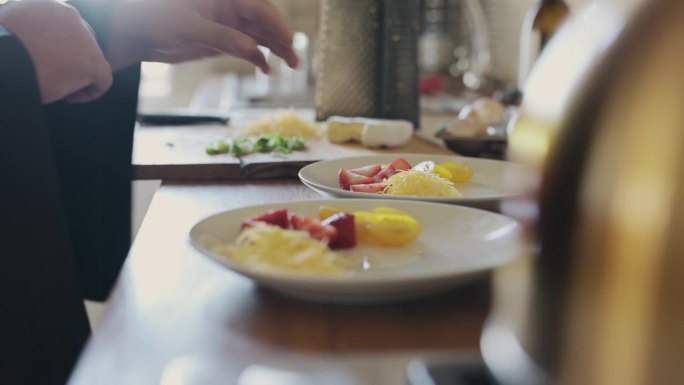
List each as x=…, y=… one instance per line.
x=541, y=23
x=597, y=301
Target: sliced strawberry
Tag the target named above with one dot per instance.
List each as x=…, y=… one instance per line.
x=346, y=230
x=275, y=217
x=326, y=233
x=384, y=174
x=367, y=170
x=348, y=178
x=401, y=164
x=367, y=188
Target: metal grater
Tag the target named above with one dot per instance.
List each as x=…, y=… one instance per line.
x=346, y=77
x=367, y=63
x=398, y=97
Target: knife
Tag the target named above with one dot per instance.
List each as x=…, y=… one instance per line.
x=179, y=119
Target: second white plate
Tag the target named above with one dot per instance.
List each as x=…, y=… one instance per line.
x=492, y=180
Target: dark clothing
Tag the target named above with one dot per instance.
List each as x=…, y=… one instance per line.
x=65, y=173
x=92, y=144
x=43, y=323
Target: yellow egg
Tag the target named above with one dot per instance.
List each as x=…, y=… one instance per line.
x=442, y=171
x=383, y=225
x=388, y=210
x=392, y=229
x=459, y=173
x=326, y=211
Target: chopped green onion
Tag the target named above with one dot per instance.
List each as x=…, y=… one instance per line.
x=297, y=143
x=276, y=144
x=218, y=147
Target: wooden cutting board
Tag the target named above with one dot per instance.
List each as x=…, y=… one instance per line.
x=178, y=153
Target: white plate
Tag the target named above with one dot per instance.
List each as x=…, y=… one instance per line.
x=492, y=180
x=456, y=244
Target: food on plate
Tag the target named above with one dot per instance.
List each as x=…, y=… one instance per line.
x=401, y=178
x=369, y=132
x=265, y=246
x=263, y=144
x=455, y=172
x=284, y=240
x=420, y=183
x=284, y=122
x=382, y=225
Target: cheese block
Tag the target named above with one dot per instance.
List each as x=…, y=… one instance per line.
x=341, y=129
x=370, y=132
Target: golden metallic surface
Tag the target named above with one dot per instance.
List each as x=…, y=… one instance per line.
x=603, y=122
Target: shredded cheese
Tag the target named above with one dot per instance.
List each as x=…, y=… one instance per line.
x=419, y=183
x=266, y=247
x=284, y=122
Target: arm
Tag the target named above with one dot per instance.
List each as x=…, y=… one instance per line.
x=92, y=144
x=67, y=60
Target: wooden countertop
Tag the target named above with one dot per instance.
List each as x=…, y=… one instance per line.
x=176, y=315
x=178, y=153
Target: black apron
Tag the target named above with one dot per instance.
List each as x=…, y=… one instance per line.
x=65, y=174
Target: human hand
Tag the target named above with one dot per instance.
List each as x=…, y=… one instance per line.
x=68, y=62
x=178, y=30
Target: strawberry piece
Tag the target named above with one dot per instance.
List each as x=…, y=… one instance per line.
x=369, y=171
x=346, y=230
x=325, y=233
x=275, y=217
x=372, y=188
x=384, y=174
x=348, y=178
x=401, y=164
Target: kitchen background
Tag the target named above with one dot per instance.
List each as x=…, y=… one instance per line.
x=166, y=86
x=181, y=86
x=204, y=84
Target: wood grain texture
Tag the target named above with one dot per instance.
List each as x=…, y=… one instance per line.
x=173, y=302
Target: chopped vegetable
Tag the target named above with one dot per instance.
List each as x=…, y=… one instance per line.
x=218, y=147
x=262, y=144
x=297, y=143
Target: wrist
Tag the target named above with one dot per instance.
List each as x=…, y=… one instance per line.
x=124, y=45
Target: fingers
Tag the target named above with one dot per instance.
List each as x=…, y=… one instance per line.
x=229, y=40
x=285, y=52
x=81, y=96
x=89, y=93
x=181, y=55
x=100, y=80
x=264, y=22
